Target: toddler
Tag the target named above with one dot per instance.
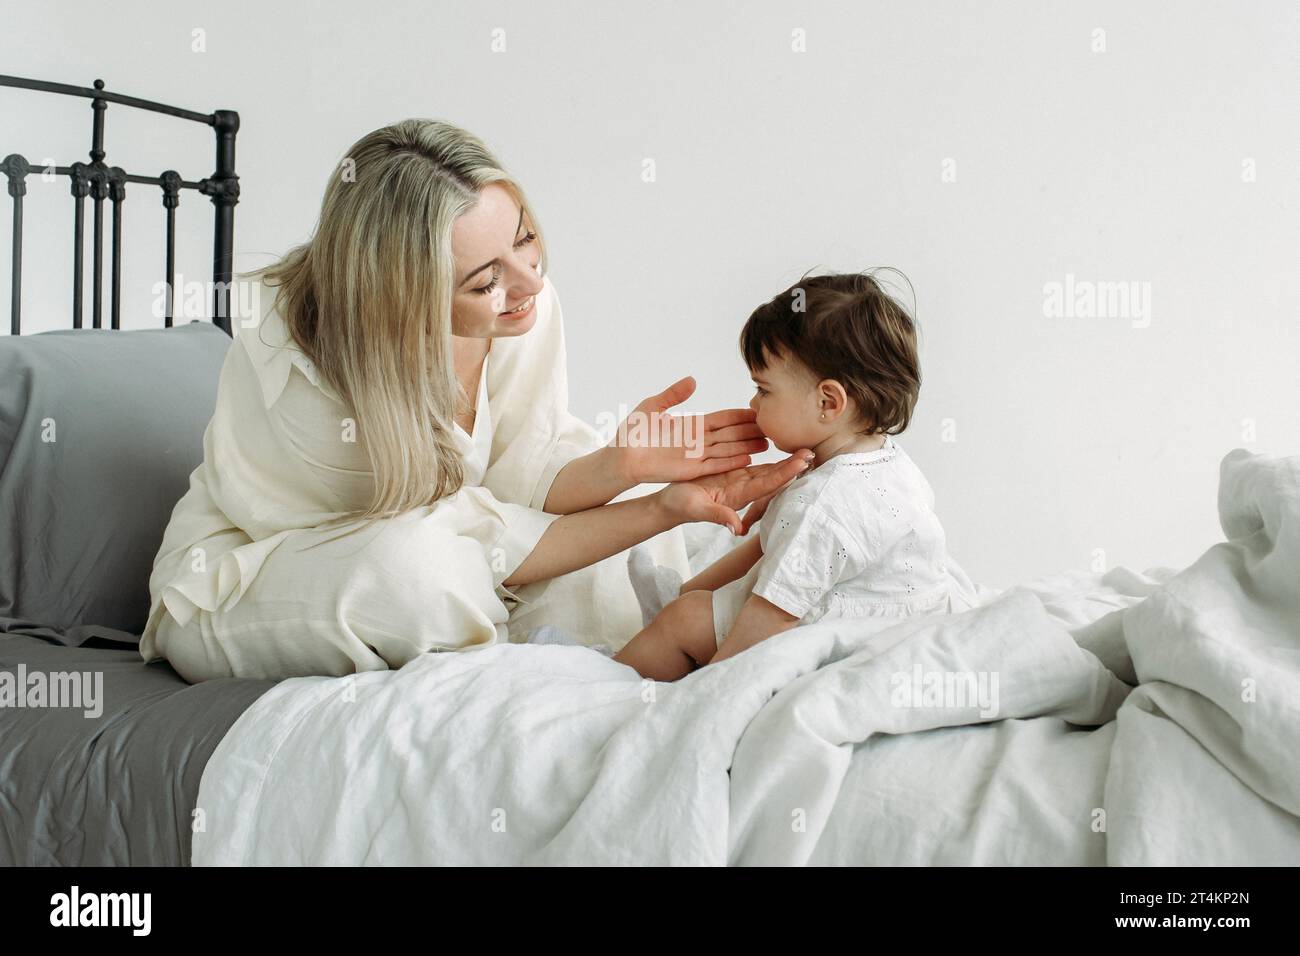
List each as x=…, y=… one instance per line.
x=834, y=362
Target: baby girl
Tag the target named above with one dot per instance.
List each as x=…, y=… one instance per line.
x=834, y=359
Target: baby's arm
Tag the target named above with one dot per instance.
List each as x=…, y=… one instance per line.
x=758, y=620
x=732, y=566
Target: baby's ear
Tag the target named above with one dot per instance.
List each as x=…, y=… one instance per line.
x=832, y=397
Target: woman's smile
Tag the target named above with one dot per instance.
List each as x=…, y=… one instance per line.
x=521, y=310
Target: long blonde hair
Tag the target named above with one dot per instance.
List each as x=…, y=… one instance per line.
x=369, y=298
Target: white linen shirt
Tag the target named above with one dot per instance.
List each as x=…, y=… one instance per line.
x=476, y=448
x=281, y=455
x=858, y=537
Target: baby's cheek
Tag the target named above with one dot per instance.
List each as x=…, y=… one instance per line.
x=776, y=435
x=774, y=427
x=771, y=427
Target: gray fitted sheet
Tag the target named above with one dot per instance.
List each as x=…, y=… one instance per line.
x=118, y=789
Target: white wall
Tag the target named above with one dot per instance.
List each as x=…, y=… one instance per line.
x=1072, y=434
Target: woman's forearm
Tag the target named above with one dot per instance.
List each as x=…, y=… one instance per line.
x=575, y=541
x=587, y=482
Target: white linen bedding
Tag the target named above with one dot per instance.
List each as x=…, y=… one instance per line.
x=802, y=751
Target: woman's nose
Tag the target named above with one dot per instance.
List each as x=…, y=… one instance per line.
x=527, y=281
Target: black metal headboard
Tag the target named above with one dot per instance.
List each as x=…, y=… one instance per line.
x=101, y=182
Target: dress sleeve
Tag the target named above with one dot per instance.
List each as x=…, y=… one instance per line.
x=806, y=552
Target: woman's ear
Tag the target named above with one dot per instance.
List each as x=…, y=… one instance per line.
x=832, y=400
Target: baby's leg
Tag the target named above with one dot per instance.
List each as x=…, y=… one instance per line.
x=678, y=641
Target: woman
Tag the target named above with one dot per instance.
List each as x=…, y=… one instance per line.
x=391, y=456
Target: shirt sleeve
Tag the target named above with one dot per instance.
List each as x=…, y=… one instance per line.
x=509, y=533
x=806, y=552
x=574, y=439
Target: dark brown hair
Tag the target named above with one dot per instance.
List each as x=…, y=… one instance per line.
x=847, y=328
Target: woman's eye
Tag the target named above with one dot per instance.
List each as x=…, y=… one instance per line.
x=491, y=286
x=496, y=274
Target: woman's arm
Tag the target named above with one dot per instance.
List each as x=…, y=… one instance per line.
x=732, y=566
x=575, y=541
x=588, y=482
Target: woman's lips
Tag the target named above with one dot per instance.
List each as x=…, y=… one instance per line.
x=521, y=311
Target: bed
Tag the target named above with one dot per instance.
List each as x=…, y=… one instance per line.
x=99, y=429
x=1081, y=719
x=1124, y=718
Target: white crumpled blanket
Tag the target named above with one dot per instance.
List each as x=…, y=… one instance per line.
x=831, y=743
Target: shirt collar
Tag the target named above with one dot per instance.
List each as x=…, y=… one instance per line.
x=275, y=355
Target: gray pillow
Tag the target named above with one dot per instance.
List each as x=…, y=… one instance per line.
x=99, y=431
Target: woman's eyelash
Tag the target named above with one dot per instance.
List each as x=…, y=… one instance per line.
x=496, y=272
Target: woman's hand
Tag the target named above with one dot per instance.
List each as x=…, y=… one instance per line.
x=715, y=498
x=654, y=446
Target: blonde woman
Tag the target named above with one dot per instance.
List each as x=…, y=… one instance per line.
x=391, y=465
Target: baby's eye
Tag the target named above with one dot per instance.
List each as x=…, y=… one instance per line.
x=760, y=390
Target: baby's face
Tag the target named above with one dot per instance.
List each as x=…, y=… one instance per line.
x=786, y=401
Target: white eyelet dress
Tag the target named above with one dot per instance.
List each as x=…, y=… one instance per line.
x=856, y=537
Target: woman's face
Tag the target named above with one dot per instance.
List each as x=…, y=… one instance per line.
x=496, y=256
